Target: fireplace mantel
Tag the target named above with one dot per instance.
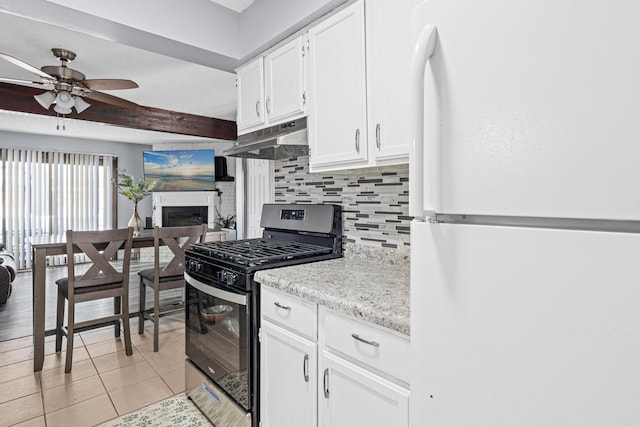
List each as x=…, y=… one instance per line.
x=183, y=198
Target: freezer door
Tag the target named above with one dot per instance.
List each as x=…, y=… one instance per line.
x=534, y=106
x=524, y=327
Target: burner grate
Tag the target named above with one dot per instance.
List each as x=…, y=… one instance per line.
x=260, y=251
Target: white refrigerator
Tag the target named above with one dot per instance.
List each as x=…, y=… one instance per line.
x=525, y=188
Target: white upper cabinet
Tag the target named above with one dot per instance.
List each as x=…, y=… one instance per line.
x=337, y=120
x=389, y=49
x=250, y=83
x=271, y=88
x=284, y=82
x=358, y=84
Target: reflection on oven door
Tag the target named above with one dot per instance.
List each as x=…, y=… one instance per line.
x=218, y=339
x=214, y=404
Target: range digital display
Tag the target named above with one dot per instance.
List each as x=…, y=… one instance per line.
x=292, y=214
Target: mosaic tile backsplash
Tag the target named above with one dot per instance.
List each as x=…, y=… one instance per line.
x=375, y=201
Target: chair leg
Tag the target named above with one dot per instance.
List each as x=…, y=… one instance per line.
x=59, y=320
x=116, y=310
x=156, y=317
x=143, y=291
x=70, y=332
x=125, y=324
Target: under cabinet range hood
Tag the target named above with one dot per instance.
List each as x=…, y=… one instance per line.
x=276, y=142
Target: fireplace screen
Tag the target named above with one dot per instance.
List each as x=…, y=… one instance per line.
x=179, y=216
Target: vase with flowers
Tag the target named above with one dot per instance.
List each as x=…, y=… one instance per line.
x=134, y=190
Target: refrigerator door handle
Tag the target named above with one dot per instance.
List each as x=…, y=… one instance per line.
x=423, y=204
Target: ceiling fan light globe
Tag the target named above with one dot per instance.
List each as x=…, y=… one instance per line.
x=45, y=99
x=80, y=104
x=64, y=99
x=61, y=110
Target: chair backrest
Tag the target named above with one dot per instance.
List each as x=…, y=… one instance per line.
x=100, y=247
x=177, y=239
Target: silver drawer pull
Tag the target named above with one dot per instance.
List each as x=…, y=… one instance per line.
x=373, y=343
x=305, y=368
x=284, y=307
x=325, y=381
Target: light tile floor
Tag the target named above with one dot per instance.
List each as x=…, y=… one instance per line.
x=103, y=384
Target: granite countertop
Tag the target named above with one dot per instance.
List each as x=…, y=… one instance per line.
x=377, y=292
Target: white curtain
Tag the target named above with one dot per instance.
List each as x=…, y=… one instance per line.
x=45, y=192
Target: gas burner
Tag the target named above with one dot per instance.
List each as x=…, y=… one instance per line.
x=254, y=252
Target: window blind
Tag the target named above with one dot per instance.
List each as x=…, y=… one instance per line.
x=48, y=192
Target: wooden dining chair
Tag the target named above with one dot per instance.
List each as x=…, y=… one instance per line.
x=164, y=276
x=101, y=280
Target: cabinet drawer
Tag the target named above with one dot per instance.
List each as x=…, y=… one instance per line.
x=382, y=349
x=289, y=312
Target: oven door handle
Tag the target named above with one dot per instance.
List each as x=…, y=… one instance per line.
x=216, y=292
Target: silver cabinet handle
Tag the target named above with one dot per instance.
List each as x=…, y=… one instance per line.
x=358, y=140
x=268, y=105
x=305, y=368
x=378, y=135
x=325, y=382
x=373, y=343
x=258, y=108
x=284, y=307
x=304, y=98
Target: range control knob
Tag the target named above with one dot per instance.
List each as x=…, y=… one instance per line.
x=194, y=266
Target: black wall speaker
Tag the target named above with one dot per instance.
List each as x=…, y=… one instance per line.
x=221, y=169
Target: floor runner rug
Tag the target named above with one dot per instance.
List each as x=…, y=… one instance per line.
x=175, y=411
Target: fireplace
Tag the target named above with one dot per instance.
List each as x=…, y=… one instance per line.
x=178, y=216
x=176, y=208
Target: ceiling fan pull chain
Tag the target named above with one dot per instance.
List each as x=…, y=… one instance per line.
x=58, y=122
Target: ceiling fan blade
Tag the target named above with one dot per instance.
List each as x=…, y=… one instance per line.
x=110, y=99
x=109, y=84
x=26, y=66
x=37, y=85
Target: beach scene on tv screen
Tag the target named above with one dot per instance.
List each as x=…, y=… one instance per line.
x=180, y=170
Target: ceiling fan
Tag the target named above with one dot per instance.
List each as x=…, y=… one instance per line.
x=66, y=87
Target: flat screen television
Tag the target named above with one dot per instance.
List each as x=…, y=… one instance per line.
x=180, y=170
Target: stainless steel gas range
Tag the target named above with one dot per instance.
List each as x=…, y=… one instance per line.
x=223, y=302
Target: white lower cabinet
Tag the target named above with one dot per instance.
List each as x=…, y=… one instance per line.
x=355, y=374
x=288, y=386
x=364, y=374
x=353, y=396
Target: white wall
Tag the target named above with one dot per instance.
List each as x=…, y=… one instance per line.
x=267, y=22
x=197, y=31
x=129, y=158
x=200, y=23
x=225, y=200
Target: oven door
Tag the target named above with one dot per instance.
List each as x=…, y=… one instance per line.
x=219, y=337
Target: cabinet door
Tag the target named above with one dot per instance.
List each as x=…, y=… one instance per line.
x=250, y=92
x=288, y=379
x=337, y=91
x=351, y=396
x=388, y=71
x=284, y=82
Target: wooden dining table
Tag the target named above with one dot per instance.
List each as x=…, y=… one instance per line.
x=43, y=246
